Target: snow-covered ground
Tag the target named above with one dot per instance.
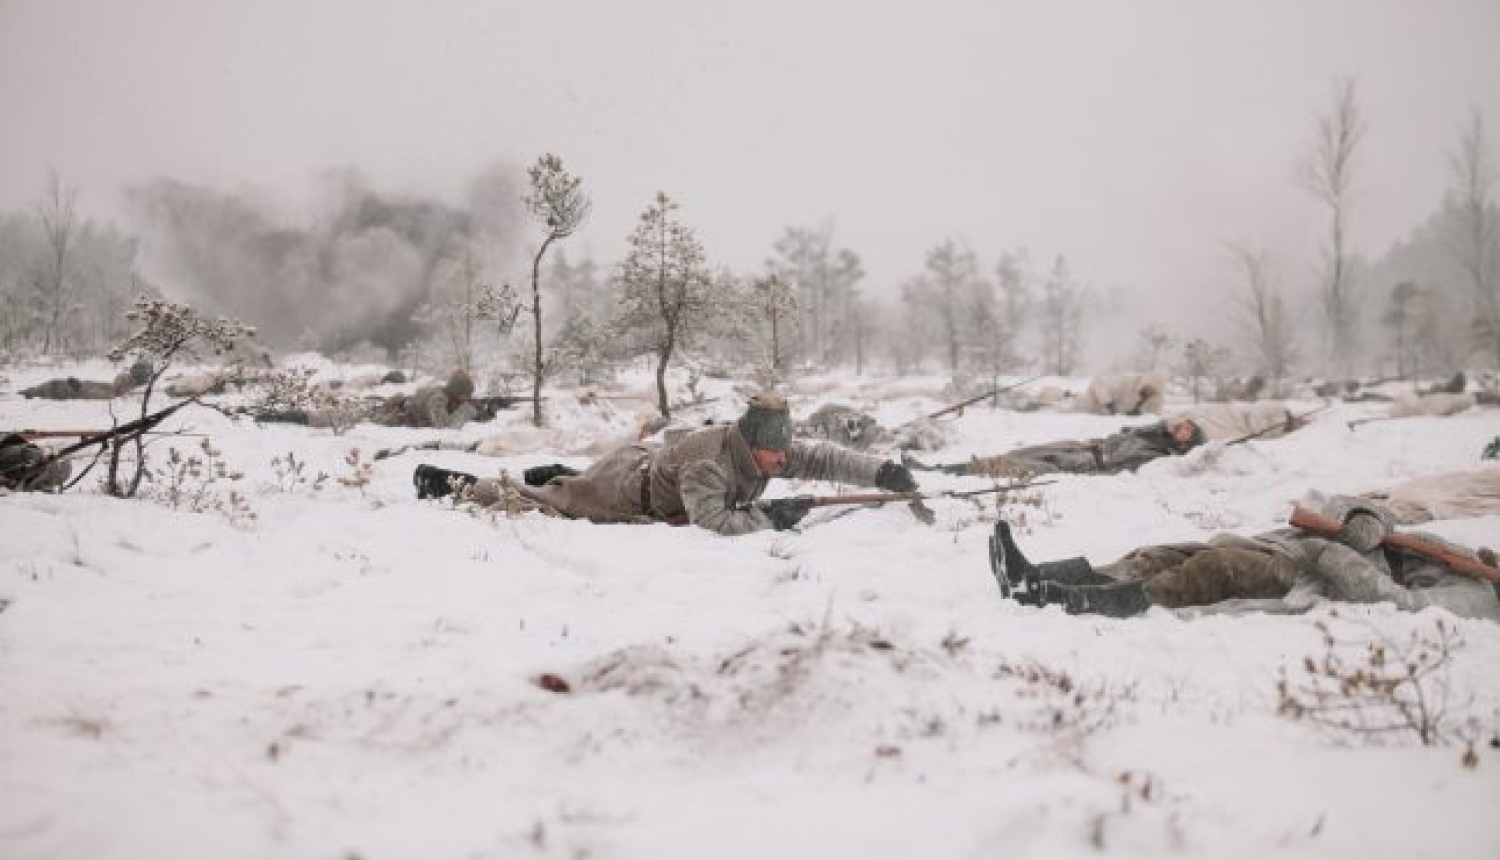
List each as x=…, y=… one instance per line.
x=354, y=673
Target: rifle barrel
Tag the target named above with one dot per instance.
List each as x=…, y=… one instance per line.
x=915, y=495
x=972, y=400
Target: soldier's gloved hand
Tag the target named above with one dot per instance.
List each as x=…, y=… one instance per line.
x=1361, y=532
x=895, y=478
x=785, y=513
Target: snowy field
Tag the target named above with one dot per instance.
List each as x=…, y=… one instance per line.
x=342, y=671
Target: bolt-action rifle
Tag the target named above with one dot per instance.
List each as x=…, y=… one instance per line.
x=30, y=435
x=1318, y=524
x=117, y=435
x=886, y=498
x=1292, y=422
x=485, y=408
x=959, y=407
x=914, y=499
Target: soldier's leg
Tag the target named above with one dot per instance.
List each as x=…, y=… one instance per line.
x=1146, y=562
x=1118, y=589
x=1222, y=573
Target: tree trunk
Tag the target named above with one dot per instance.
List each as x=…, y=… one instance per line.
x=662, y=357
x=537, y=368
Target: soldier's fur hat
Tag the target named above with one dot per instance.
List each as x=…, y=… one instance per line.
x=767, y=423
x=460, y=386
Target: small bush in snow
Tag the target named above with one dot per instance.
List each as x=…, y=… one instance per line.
x=291, y=474
x=360, y=470
x=1376, y=689
x=201, y=483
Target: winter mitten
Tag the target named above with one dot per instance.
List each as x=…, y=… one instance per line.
x=785, y=513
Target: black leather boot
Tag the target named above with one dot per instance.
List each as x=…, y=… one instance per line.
x=1071, y=571
x=1118, y=600
x=1010, y=567
x=539, y=476
x=434, y=483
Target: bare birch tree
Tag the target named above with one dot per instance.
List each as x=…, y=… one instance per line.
x=1472, y=197
x=1268, y=323
x=1061, y=320
x=1327, y=173
x=1400, y=317
x=946, y=284
x=57, y=214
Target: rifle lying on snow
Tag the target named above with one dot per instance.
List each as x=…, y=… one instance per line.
x=915, y=498
x=128, y=430
x=30, y=435
x=434, y=445
x=485, y=408
x=959, y=407
x=1320, y=525
x=123, y=433
x=1292, y=422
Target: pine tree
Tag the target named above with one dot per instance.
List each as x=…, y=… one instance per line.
x=667, y=296
x=1061, y=320
x=774, y=306
x=561, y=207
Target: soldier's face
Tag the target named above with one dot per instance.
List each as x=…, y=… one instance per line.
x=770, y=463
x=1182, y=432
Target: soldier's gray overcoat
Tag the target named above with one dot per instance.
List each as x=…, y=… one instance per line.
x=704, y=476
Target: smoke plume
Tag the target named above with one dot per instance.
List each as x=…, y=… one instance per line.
x=357, y=274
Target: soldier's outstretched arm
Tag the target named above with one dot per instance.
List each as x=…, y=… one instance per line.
x=821, y=461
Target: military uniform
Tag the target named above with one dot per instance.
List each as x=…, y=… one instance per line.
x=842, y=425
x=706, y=476
x=444, y=407
x=1124, y=451
x=24, y=466
x=1285, y=570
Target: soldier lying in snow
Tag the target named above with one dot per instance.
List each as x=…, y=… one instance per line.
x=73, y=388
x=708, y=476
x=1123, y=394
x=1124, y=451
x=1286, y=570
x=445, y=406
x=24, y=466
x=843, y=426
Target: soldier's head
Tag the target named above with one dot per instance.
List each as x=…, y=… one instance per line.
x=1186, y=433
x=459, y=387
x=767, y=428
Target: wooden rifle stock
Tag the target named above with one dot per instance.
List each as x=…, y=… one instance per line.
x=1318, y=524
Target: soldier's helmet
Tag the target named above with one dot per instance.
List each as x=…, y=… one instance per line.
x=459, y=386
x=767, y=422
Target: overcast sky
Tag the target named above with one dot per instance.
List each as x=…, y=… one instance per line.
x=1132, y=136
